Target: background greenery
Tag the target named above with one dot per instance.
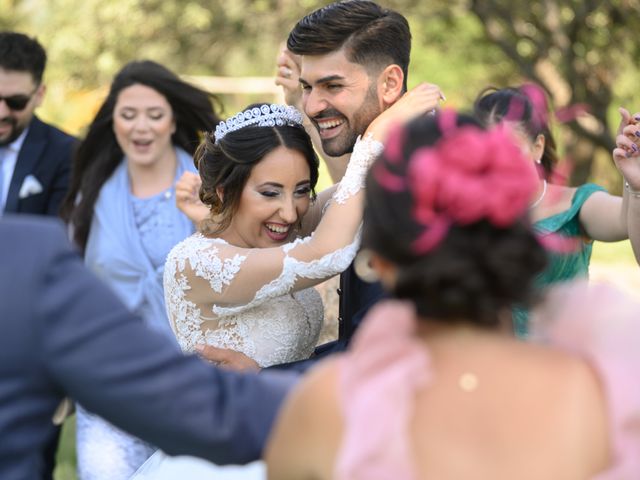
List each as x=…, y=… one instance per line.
x=583, y=52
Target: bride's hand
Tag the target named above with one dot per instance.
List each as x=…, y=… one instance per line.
x=187, y=199
x=287, y=76
x=418, y=101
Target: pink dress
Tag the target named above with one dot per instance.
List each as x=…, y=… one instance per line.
x=387, y=365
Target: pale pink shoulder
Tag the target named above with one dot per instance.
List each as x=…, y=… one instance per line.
x=602, y=324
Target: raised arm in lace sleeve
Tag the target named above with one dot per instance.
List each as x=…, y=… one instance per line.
x=217, y=278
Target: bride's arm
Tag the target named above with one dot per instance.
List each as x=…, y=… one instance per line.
x=231, y=276
x=240, y=278
x=312, y=218
x=187, y=199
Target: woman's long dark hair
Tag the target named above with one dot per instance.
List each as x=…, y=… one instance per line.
x=99, y=153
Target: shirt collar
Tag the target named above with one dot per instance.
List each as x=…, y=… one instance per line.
x=16, y=145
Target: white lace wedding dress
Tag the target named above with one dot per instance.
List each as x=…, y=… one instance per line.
x=260, y=301
x=283, y=329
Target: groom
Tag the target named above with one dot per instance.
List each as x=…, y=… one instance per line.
x=351, y=61
x=64, y=333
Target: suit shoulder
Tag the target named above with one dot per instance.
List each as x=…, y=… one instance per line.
x=62, y=137
x=54, y=134
x=31, y=233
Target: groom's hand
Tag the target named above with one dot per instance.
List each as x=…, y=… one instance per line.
x=225, y=358
x=187, y=199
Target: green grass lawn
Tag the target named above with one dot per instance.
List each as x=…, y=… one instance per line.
x=618, y=252
x=66, y=459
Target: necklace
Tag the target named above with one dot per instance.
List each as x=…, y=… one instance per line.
x=544, y=190
x=468, y=382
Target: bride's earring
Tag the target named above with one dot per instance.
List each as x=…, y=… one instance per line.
x=362, y=266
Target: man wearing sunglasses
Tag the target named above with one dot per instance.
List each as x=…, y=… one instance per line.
x=35, y=158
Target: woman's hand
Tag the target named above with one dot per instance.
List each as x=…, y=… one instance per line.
x=418, y=101
x=187, y=199
x=626, y=155
x=287, y=76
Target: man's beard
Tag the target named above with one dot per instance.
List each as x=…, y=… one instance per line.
x=343, y=143
x=14, y=133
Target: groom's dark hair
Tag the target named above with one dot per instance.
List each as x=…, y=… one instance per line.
x=371, y=35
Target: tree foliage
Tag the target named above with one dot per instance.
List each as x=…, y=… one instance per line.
x=580, y=51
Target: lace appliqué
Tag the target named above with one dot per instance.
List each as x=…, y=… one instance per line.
x=327, y=266
x=284, y=329
x=186, y=318
x=206, y=263
x=105, y=452
x=365, y=151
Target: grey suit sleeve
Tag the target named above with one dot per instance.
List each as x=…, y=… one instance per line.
x=108, y=360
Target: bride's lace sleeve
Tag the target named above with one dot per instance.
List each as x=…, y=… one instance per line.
x=231, y=279
x=318, y=207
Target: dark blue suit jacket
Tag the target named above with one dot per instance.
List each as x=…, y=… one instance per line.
x=46, y=154
x=64, y=333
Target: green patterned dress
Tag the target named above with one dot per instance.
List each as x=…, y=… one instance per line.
x=561, y=266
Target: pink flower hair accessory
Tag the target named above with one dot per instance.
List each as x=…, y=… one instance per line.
x=468, y=176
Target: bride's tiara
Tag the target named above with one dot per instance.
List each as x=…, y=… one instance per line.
x=263, y=116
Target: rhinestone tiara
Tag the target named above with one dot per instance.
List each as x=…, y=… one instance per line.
x=263, y=116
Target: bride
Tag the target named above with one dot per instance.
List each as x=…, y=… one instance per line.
x=243, y=281
x=258, y=175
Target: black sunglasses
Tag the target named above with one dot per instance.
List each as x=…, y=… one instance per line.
x=18, y=102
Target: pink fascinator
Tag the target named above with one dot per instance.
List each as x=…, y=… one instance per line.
x=469, y=175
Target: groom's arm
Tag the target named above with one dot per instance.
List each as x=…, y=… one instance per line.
x=108, y=360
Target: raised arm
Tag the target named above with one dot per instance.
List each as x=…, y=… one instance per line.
x=229, y=279
x=287, y=76
x=225, y=276
x=605, y=217
x=187, y=199
x=626, y=156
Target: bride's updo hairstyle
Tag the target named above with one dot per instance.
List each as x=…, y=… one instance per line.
x=447, y=204
x=225, y=162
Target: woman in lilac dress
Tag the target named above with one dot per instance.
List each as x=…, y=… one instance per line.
x=122, y=214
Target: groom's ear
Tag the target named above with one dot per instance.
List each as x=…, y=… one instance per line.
x=390, y=85
x=387, y=271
